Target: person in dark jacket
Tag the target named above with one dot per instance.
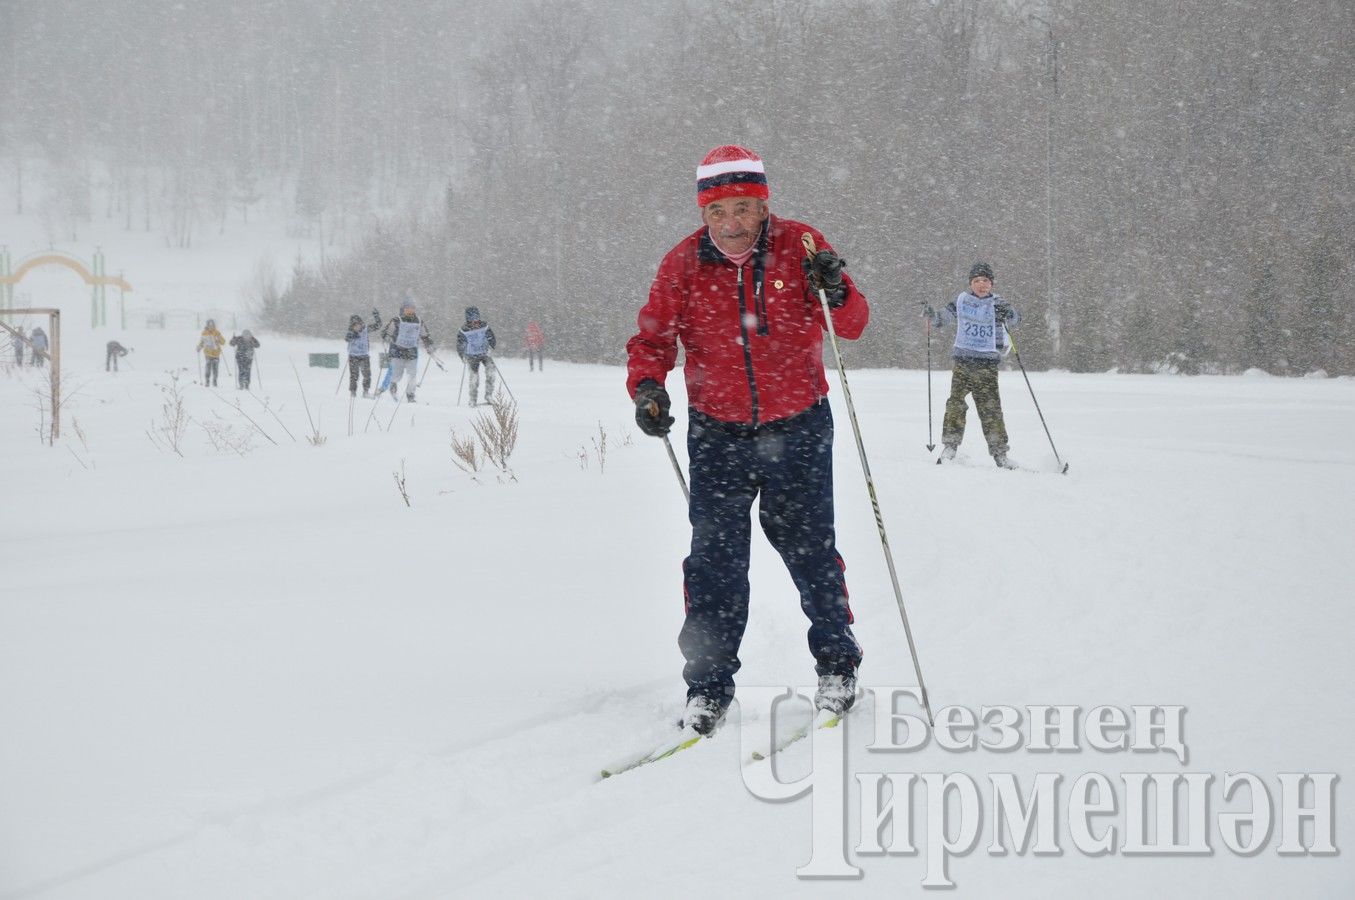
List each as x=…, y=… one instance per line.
x=245, y=344
x=981, y=320
x=474, y=342
x=405, y=333
x=37, y=340
x=360, y=354
x=113, y=351
x=17, y=338
x=740, y=295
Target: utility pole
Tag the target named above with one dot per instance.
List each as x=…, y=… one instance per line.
x=1051, y=77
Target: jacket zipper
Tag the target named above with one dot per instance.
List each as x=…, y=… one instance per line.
x=760, y=295
x=747, y=346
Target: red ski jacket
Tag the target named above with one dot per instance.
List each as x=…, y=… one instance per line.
x=753, y=334
x=536, y=338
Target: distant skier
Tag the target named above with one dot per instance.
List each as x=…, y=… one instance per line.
x=981, y=318
x=405, y=333
x=38, y=340
x=245, y=344
x=211, y=345
x=113, y=351
x=360, y=354
x=17, y=338
x=474, y=342
x=536, y=345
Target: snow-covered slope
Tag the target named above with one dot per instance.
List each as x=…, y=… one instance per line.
x=256, y=672
x=264, y=675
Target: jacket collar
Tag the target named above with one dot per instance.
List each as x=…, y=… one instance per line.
x=707, y=251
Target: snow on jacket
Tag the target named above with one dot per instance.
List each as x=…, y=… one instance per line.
x=949, y=315
x=410, y=337
x=211, y=343
x=359, y=343
x=245, y=345
x=753, y=334
x=475, y=339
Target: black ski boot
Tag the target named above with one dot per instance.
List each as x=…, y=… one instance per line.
x=836, y=693
x=703, y=714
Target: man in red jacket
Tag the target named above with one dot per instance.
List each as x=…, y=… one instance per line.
x=741, y=295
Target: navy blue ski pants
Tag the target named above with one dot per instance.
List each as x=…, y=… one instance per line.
x=789, y=463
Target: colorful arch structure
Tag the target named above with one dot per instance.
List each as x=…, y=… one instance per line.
x=95, y=276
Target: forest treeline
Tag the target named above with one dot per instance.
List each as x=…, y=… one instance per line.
x=1158, y=184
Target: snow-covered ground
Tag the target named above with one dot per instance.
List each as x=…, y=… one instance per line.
x=264, y=675
x=257, y=672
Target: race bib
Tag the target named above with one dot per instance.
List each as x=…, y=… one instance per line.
x=477, y=341
x=407, y=337
x=975, y=324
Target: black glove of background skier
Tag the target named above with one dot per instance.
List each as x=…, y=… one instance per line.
x=824, y=272
x=651, y=408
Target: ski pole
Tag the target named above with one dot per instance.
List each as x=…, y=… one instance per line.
x=341, y=374
x=432, y=358
x=930, y=445
x=1063, y=466
x=502, y=380
x=258, y=370
x=672, y=457
x=371, y=415
x=808, y=241
x=201, y=380
x=462, y=385
x=677, y=469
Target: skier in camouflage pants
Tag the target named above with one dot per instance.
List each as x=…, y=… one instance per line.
x=977, y=377
x=981, y=320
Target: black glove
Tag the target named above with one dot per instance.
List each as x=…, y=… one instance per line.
x=651, y=408
x=1003, y=312
x=928, y=311
x=824, y=272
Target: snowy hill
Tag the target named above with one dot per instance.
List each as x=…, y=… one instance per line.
x=253, y=670
x=258, y=673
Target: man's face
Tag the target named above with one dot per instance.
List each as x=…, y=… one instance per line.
x=980, y=285
x=734, y=222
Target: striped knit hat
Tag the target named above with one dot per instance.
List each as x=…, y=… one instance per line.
x=730, y=171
